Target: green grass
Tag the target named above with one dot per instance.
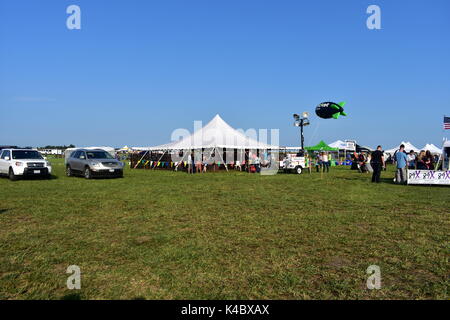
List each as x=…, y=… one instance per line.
x=168, y=235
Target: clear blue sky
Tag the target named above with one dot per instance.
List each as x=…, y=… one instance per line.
x=139, y=69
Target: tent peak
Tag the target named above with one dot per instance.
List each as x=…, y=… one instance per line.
x=216, y=133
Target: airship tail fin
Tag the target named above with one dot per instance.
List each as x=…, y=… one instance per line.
x=342, y=104
x=336, y=115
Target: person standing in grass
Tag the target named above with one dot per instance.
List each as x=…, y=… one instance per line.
x=325, y=162
x=368, y=161
x=319, y=162
x=191, y=163
x=198, y=162
x=258, y=164
x=308, y=162
x=205, y=163
x=411, y=160
x=401, y=160
x=377, y=163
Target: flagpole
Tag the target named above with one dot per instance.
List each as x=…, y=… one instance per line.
x=441, y=156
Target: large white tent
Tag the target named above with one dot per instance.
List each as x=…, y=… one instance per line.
x=432, y=148
x=216, y=134
x=408, y=147
x=214, y=138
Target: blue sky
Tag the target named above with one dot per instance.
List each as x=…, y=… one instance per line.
x=137, y=70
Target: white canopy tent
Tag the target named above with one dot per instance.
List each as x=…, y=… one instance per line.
x=215, y=135
x=338, y=144
x=343, y=145
x=408, y=147
x=124, y=149
x=433, y=149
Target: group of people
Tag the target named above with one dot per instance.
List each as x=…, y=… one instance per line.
x=323, y=162
x=197, y=165
x=194, y=165
x=423, y=161
x=362, y=162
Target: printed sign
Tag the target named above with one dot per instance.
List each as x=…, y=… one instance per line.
x=428, y=177
x=350, y=145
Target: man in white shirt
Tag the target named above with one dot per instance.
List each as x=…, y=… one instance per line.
x=411, y=159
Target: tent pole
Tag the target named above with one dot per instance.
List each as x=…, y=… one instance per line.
x=140, y=160
x=223, y=161
x=160, y=159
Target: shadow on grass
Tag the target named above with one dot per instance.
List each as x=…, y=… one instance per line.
x=35, y=178
x=3, y=211
x=71, y=296
x=388, y=180
x=51, y=177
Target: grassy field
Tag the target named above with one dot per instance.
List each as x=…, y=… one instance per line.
x=167, y=235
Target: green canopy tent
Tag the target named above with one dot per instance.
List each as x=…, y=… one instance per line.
x=321, y=146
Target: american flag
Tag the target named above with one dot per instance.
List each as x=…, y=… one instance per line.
x=446, y=123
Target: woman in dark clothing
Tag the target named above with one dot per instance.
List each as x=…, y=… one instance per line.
x=421, y=161
x=429, y=161
x=362, y=162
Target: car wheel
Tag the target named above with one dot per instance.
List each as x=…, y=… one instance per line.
x=87, y=173
x=298, y=170
x=69, y=172
x=11, y=175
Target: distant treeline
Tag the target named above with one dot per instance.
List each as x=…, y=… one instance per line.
x=58, y=147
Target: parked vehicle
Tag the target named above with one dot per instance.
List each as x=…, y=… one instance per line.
x=23, y=162
x=93, y=163
x=293, y=163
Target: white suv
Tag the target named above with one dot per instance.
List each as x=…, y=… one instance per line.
x=23, y=162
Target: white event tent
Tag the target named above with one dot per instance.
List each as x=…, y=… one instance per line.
x=215, y=136
x=433, y=149
x=408, y=147
x=343, y=145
